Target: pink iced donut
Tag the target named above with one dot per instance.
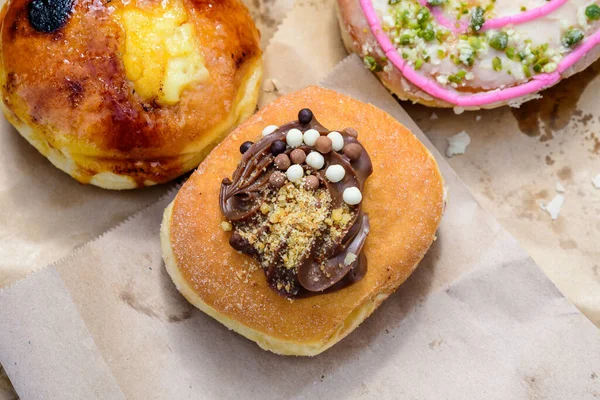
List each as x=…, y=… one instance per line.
x=471, y=54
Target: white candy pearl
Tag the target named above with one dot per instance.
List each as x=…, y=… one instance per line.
x=335, y=173
x=352, y=196
x=311, y=136
x=295, y=173
x=315, y=160
x=269, y=129
x=294, y=138
x=337, y=141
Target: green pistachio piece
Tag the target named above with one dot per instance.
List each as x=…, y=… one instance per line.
x=572, y=37
x=477, y=19
x=413, y=25
x=499, y=41
x=372, y=64
x=406, y=39
x=497, y=64
x=510, y=53
x=427, y=33
x=423, y=15
x=454, y=79
x=475, y=42
x=592, y=12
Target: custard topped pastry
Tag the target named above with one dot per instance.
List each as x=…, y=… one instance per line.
x=311, y=229
x=476, y=54
x=124, y=94
x=294, y=204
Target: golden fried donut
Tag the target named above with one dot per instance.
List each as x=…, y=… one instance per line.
x=125, y=94
x=403, y=199
x=471, y=55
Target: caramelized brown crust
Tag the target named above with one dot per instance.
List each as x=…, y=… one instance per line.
x=404, y=199
x=67, y=91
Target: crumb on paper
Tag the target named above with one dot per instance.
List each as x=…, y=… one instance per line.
x=596, y=181
x=559, y=187
x=434, y=116
x=516, y=103
x=458, y=143
x=553, y=208
x=270, y=86
x=477, y=118
x=226, y=226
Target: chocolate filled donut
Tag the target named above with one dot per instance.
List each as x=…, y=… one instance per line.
x=294, y=254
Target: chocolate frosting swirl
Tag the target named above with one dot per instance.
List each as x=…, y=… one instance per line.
x=329, y=264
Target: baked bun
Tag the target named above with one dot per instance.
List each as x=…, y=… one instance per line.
x=402, y=201
x=471, y=55
x=125, y=94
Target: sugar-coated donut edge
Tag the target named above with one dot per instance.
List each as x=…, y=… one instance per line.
x=264, y=341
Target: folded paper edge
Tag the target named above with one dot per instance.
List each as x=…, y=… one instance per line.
x=350, y=58
x=14, y=285
x=283, y=23
x=265, y=78
x=104, y=374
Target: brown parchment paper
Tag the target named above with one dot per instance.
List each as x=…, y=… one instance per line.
x=477, y=319
x=45, y=213
x=46, y=292
x=515, y=158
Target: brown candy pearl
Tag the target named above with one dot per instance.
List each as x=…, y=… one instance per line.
x=353, y=151
x=277, y=179
x=311, y=182
x=282, y=162
x=351, y=132
x=323, y=145
x=298, y=156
